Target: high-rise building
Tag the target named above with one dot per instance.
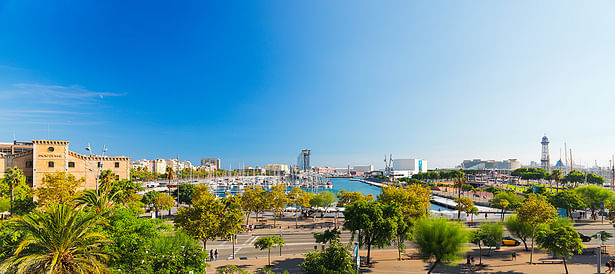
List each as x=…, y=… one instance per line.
x=211, y=163
x=544, y=156
x=303, y=160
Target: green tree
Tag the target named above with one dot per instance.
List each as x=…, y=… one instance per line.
x=149, y=198
x=520, y=230
x=593, y=196
x=231, y=269
x=568, y=200
x=327, y=236
x=277, y=200
x=440, y=240
x=268, y=243
x=300, y=199
x=560, y=241
x=506, y=200
x=185, y=193
x=595, y=179
x=106, y=180
x=575, y=177
x=164, y=201
x=210, y=218
x=489, y=234
x=100, y=202
x=414, y=204
x=334, y=259
x=59, y=240
x=373, y=222
x=348, y=197
x=534, y=212
x=325, y=199
x=176, y=253
x=13, y=178
x=131, y=238
x=253, y=199
x=58, y=188
x=463, y=204
x=556, y=175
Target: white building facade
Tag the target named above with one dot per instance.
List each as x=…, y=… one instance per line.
x=408, y=167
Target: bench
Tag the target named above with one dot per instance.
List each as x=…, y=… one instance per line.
x=552, y=261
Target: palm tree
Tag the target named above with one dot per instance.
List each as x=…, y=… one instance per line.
x=59, y=240
x=106, y=180
x=13, y=178
x=100, y=202
x=459, y=184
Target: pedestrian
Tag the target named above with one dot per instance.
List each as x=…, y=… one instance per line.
x=216, y=254
x=610, y=265
x=514, y=256
x=472, y=264
x=468, y=261
x=211, y=255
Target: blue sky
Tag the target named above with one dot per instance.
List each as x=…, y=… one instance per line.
x=254, y=82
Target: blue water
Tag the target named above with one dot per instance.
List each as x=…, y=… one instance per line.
x=348, y=185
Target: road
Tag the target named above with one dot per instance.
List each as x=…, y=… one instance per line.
x=300, y=242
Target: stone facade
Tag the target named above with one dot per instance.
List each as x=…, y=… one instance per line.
x=50, y=156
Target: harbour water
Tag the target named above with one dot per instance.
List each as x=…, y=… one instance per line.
x=348, y=185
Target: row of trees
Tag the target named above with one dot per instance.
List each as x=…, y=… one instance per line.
x=574, y=177
x=436, y=175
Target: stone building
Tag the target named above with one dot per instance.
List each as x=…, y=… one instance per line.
x=41, y=157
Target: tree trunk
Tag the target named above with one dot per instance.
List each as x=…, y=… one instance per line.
x=204, y=245
x=269, y=257
x=502, y=214
x=296, y=219
x=565, y=266
x=524, y=244
x=369, y=249
x=12, y=198
x=433, y=266
x=480, y=254
x=248, y=218
x=532, y=251
x=274, y=218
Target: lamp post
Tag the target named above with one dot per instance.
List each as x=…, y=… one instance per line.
x=98, y=164
x=599, y=251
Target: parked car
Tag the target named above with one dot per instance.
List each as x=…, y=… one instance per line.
x=584, y=238
x=509, y=241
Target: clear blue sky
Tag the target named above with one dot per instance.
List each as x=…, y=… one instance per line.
x=255, y=82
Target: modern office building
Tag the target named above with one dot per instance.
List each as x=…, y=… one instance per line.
x=211, y=163
x=478, y=164
x=41, y=157
x=303, y=160
x=408, y=167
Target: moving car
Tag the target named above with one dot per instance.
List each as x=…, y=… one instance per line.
x=584, y=238
x=509, y=241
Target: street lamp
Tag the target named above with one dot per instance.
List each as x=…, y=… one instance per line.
x=98, y=164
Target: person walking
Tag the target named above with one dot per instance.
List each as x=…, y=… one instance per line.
x=211, y=255
x=216, y=255
x=472, y=264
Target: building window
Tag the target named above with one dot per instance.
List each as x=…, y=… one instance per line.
x=100, y=164
x=50, y=149
x=71, y=164
x=50, y=164
x=28, y=164
x=117, y=164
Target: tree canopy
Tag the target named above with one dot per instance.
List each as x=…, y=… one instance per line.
x=58, y=188
x=375, y=222
x=334, y=259
x=534, y=212
x=441, y=240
